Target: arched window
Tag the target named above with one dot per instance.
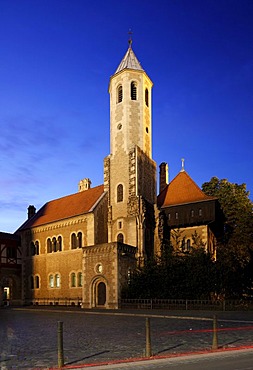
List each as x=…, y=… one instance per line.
x=192, y=213
x=57, y=281
x=32, y=282
x=119, y=94
x=59, y=243
x=176, y=215
x=51, y=281
x=120, y=238
x=37, y=247
x=37, y=282
x=32, y=249
x=146, y=98
x=49, y=245
x=200, y=212
x=188, y=245
x=120, y=193
x=79, y=279
x=79, y=240
x=73, y=241
x=183, y=245
x=73, y=279
x=54, y=244
x=133, y=91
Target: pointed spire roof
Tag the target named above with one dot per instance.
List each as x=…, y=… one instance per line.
x=129, y=61
x=181, y=190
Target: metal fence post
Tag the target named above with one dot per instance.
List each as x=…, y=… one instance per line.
x=148, y=338
x=215, y=334
x=60, y=344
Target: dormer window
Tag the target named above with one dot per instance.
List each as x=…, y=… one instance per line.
x=119, y=94
x=133, y=91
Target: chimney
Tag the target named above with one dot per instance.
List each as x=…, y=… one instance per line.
x=31, y=211
x=84, y=185
x=164, y=177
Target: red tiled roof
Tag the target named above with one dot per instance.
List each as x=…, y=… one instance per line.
x=62, y=208
x=182, y=189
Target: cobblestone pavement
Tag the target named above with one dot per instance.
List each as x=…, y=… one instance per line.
x=28, y=337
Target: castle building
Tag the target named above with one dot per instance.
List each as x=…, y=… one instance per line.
x=81, y=248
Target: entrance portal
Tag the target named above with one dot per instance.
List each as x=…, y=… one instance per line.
x=101, y=294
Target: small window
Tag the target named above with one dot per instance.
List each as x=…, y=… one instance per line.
x=49, y=246
x=183, y=245
x=176, y=215
x=120, y=193
x=192, y=213
x=146, y=98
x=37, y=248
x=73, y=241
x=57, y=281
x=32, y=282
x=120, y=238
x=133, y=91
x=37, y=282
x=79, y=240
x=73, y=279
x=59, y=243
x=120, y=225
x=80, y=279
x=200, y=212
x=169, y=216
x=188, y=245
x=51, y=281
x=54, y=244
x=32, y=249
x=119, y=94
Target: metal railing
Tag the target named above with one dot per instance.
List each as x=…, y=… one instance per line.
x=187, y=304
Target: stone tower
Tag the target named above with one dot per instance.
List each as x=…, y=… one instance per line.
x=129, y=171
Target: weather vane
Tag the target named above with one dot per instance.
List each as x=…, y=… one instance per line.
x=130, y=37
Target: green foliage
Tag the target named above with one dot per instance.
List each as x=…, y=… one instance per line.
x=174, y=276
x=196, y=275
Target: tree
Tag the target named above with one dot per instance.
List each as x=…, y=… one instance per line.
x=234, y=255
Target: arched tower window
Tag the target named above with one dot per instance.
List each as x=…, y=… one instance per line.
x=120, y=193
x=120, y=238
x=133, y=90
x=146, y=98
x=119, y=94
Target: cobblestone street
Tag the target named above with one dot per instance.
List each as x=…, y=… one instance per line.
x=28, y=337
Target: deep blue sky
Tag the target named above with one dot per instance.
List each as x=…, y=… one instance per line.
x=56, y=58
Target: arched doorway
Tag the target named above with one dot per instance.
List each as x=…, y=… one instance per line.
x=101, y=294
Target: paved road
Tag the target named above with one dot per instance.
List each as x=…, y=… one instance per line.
x=28, y=337
x=235, y=360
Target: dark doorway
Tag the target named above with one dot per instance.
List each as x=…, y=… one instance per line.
x=101, y=294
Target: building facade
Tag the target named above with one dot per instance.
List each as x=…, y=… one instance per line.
x=82, y=248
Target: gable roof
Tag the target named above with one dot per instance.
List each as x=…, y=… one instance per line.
x=129, y=61
x=181, y=190
x=66, y=207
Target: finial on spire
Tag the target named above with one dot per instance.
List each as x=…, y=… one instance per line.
x=130, y=37
x=182, y=169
